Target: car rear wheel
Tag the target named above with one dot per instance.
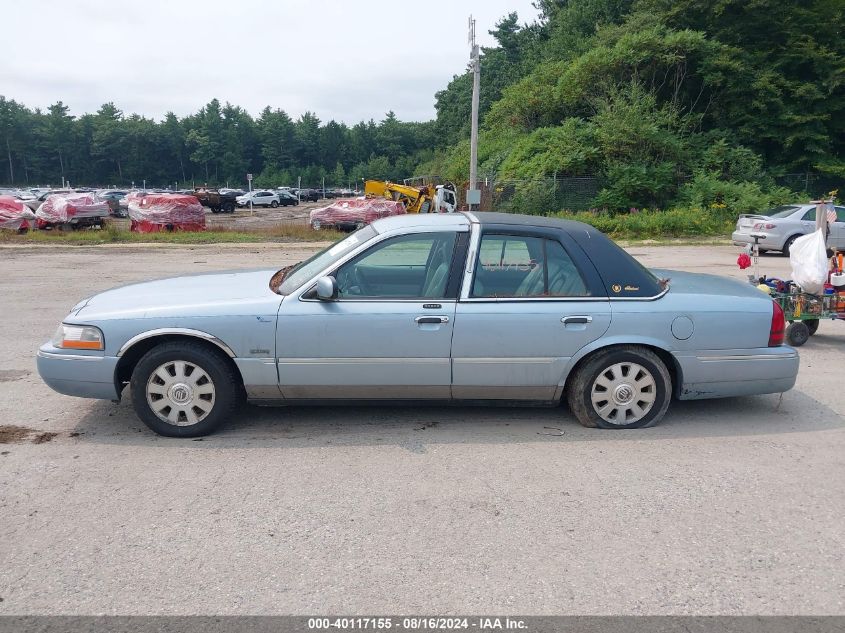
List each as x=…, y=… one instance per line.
x=183, y=389
x=625, y=387
x=274, y=204
x=797, y=333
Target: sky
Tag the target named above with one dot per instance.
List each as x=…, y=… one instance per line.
x=343, y=60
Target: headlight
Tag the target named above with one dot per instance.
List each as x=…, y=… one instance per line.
x=78, y=337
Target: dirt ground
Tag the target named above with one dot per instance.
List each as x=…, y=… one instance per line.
x=727, y=507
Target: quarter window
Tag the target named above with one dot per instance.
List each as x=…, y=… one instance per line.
x=512, y=266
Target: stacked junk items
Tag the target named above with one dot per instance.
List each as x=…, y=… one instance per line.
x=15, y=215
x=72, y=210
x=156, y=212
x=354, y=213
x=817, y=288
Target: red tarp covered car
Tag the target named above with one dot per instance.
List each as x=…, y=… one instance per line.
x=154, y=212
x=76, y=209
x=15, y=215
x=354, y=213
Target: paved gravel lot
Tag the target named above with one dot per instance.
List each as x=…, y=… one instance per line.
x=734, y=507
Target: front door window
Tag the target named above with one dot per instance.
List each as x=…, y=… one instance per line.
x=405, y=267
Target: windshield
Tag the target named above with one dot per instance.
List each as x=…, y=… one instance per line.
x=303, y=271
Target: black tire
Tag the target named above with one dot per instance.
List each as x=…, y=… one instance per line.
x=229, y=207
x=788, y=245
x=225, y=387
x=274, y=204
x=812, y=325
x=798, y=333
x=605, y=362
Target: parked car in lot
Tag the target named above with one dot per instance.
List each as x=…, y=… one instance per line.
x=218, y=200
x=259, y=199
x=34, y=203
x=116, y=200
x=458, y=307
x=781, y=226
x=309, y=195
x=287, y=199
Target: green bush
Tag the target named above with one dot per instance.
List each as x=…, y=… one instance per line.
x=708, y=190
x=534, y=198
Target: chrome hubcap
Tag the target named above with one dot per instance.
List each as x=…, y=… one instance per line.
x=180, y=393
x=623, y=393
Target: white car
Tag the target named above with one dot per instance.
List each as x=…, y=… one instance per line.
x=778, y=228
x=259, y=199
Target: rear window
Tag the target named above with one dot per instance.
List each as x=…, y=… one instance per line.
x=781, y=212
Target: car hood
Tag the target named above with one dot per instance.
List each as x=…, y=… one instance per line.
x=207, y=294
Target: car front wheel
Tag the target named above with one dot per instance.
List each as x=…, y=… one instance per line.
x=183, y=389
x=625, y=387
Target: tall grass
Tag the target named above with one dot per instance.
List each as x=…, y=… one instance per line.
x=652, y=224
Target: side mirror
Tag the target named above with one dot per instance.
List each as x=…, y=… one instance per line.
x=327, y=289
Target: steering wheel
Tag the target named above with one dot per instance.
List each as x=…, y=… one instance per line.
x=350, y=283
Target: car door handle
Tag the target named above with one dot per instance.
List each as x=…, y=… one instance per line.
x=583, y=320
x=432, y=319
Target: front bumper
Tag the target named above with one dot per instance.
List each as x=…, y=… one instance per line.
x=75, y=374
x=737, y=372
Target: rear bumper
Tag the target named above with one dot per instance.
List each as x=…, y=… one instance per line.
x=83, y=376
x=738, y=372
x=769, y=242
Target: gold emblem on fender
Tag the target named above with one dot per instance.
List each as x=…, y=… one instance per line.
x=616, y=288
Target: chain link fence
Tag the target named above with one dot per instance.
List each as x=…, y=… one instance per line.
x=814, y=184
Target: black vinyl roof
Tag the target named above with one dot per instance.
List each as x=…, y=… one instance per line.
x=490, y=217
x=622, y=275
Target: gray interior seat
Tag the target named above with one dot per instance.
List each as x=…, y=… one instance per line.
x=564, y=281
x=438, y=273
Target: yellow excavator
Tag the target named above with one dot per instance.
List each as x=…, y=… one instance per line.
x=417, y=199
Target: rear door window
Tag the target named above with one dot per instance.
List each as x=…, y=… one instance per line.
x=513, y=266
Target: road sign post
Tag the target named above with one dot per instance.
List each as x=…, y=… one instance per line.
x=249, y=182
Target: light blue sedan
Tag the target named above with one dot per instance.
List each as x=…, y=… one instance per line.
x=462, y=307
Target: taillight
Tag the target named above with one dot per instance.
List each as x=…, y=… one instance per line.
x=778, y=326
x=763, y=225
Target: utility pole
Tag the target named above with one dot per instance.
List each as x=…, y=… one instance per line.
x=473, y=193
